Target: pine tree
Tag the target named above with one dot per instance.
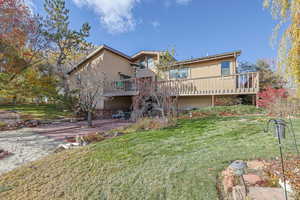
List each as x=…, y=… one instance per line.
x=63, y=39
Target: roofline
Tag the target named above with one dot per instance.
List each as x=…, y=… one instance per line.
x=183, y=62
x=208, y=58
x=145, y=52
x=100, y=48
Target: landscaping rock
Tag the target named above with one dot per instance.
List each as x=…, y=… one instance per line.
x=228, y=180
x=266, y=193
x=32, y=123
x=239, y=193
x=4, y=154
x=62, y=147
x=256, y=165
x=252, y=179
x=81, y=141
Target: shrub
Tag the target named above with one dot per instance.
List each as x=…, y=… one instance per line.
x=270, y=96
x=150, y=124
x=227, y=101
x=276, y=102
x=96, y=137
x=68, y=101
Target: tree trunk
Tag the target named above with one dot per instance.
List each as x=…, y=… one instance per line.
x=14, y=100
x=66, y=85
x=89, y=119
x=63, y=77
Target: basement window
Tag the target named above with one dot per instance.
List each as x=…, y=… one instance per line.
x=225, y=68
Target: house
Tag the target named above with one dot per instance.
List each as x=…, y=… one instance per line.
x=198, y=81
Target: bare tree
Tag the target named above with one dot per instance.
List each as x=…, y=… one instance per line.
x=88, y=86
x=157, y=96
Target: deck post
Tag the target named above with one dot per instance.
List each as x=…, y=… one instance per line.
x=253, y=100
x=256, y=100
x=213, y=100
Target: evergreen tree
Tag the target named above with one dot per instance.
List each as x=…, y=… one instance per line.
x=63, y=39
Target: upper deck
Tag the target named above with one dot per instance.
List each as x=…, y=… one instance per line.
x=236, y=84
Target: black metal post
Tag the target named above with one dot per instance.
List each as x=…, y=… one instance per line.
x=282, y=161
x=291, y=129
x=280, y=134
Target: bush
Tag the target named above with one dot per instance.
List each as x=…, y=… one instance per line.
x=270, y=96
x=69, y=102
x=277, y=102
x=96, y=137
x=150, y=124
x=227, y=101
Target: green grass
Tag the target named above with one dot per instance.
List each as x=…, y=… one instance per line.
x=2, y=124
x=33, y=111
x=180, y=162
x=237, y=109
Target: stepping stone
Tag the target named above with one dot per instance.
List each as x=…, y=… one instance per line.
x=266, y=193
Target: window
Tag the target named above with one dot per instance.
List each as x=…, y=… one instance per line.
x=143, y=64
x=150, y=62
x=179, y=73
x=147, y=62
x=225, y=68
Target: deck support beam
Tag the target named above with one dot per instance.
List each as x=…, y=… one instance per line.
x=213, y=101
x=256, y=100
x=253, y=100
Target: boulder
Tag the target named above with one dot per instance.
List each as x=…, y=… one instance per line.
x=239, y=193
x=228, y=180
x=252, y=179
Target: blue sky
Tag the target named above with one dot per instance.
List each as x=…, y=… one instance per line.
x=194, y=28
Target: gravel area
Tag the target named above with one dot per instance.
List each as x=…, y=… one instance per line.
x=25, y=146
x=29, y=144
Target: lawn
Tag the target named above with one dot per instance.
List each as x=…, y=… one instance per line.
x=34, y=111
x=180, y=162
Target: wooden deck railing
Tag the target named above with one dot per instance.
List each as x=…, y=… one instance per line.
x=247, y=83
x=126, y=87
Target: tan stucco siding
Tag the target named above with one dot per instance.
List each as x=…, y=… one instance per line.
x=104, y=65
x=113, y=64
x=118, y=103
x=194, y=102
x=109, y=64
x=212, y=68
